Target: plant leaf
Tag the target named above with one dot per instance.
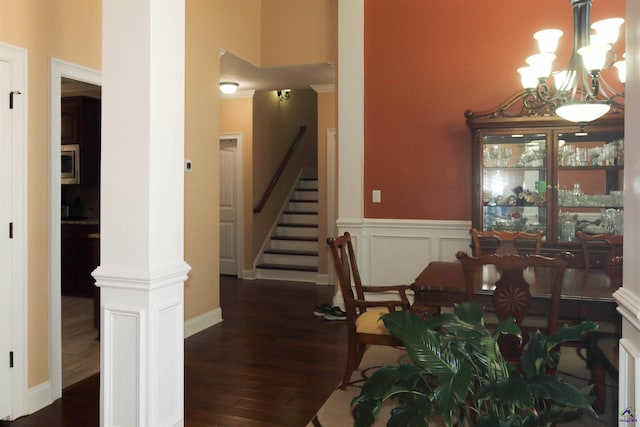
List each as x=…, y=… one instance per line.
x=571, y=333
x=469, y=312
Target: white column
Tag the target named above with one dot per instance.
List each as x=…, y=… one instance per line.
x=142, y=269
x=350, y=113
x=628, y=297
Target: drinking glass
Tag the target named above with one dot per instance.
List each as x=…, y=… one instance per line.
x=494, y=154
x=581, y=156
x=506, y=154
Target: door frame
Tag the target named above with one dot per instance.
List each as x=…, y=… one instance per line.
x=332, y=226
x=58, y=69
x=18, y=58
x=240, y=195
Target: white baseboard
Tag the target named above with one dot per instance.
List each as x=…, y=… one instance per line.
x=202, y=322
x=38, y=397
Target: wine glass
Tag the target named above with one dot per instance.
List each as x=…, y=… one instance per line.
x=506, y=154
x=494, y=154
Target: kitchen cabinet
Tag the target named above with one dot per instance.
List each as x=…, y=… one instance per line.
x=78, y=259
x=80, y=124
x=535, y=171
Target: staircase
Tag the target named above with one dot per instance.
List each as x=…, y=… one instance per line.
x=292, y=252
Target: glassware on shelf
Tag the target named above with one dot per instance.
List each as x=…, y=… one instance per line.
x=567, y=227
x=612, y=220
x=581, y=156
x=567, y=155
x=610, y=153
x=620, y=151
x=505, y=155
x=595, y=156
x=494, y=154
x=617, y=199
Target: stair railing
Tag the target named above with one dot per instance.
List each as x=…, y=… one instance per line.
x=279, y=172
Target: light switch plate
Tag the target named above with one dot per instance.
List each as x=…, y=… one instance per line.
x=376, y=197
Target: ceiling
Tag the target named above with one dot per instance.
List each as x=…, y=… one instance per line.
x=250, y=77
x=247, y=75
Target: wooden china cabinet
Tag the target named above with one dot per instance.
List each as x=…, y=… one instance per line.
x=533, y=170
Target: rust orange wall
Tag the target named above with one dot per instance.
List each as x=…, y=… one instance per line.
x=428, y=61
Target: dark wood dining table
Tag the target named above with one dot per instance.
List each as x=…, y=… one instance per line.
x=585, y=295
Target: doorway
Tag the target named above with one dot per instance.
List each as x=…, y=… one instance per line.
x=76, y=80
x=231, y=206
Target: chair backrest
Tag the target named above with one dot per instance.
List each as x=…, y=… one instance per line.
x=344, y=259
x=587, y=241
x=512, y=296
x=506, y=241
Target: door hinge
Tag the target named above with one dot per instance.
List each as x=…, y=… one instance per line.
x=11, y=230
x=14, y=92
x=11, y=359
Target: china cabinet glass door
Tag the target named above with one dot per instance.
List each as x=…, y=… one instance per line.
x=514, y=182
x=589, y=184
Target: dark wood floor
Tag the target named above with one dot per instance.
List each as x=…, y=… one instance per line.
x=270, y=363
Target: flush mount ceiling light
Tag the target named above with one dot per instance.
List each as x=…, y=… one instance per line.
x=579, y=93
x=228, y=87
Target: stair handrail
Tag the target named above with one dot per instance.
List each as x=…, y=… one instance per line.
x=279, y=172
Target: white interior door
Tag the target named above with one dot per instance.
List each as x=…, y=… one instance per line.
x=229, y=206
x=6, y=263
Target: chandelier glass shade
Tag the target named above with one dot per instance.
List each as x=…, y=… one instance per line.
x=578, y=93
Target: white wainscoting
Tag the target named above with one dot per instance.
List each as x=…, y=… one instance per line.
x=396, y=251
x=629, y=359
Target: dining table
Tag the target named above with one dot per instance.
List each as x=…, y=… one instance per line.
x=586, y=295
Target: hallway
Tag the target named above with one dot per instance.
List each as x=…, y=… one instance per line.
x=270, y=363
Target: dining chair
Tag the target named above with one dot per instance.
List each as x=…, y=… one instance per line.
x=602, y=346
x=604, y=360
x=506, y=241
x=363, y=315
x=511, y=295
x=613, y=258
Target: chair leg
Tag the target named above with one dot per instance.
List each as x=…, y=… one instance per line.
x=354, y=357
x=599, y=386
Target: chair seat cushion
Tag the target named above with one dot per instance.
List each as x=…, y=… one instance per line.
x=369, y=322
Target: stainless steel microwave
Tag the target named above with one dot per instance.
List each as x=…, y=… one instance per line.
x=70, y=163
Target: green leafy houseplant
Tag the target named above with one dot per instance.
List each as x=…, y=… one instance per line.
x=459, y=377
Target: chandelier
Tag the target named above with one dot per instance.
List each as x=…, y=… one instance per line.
x=579, y=93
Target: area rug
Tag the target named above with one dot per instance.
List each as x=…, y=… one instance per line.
x=336, y=411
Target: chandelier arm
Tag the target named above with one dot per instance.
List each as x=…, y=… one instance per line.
x=607, y=91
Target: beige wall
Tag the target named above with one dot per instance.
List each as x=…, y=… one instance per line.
x=210, y=26
x=236, y=116
x=68, y=30
x=299, y=32
x=71, y=31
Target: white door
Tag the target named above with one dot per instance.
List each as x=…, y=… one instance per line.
x=229, y=206
x=6, y=261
